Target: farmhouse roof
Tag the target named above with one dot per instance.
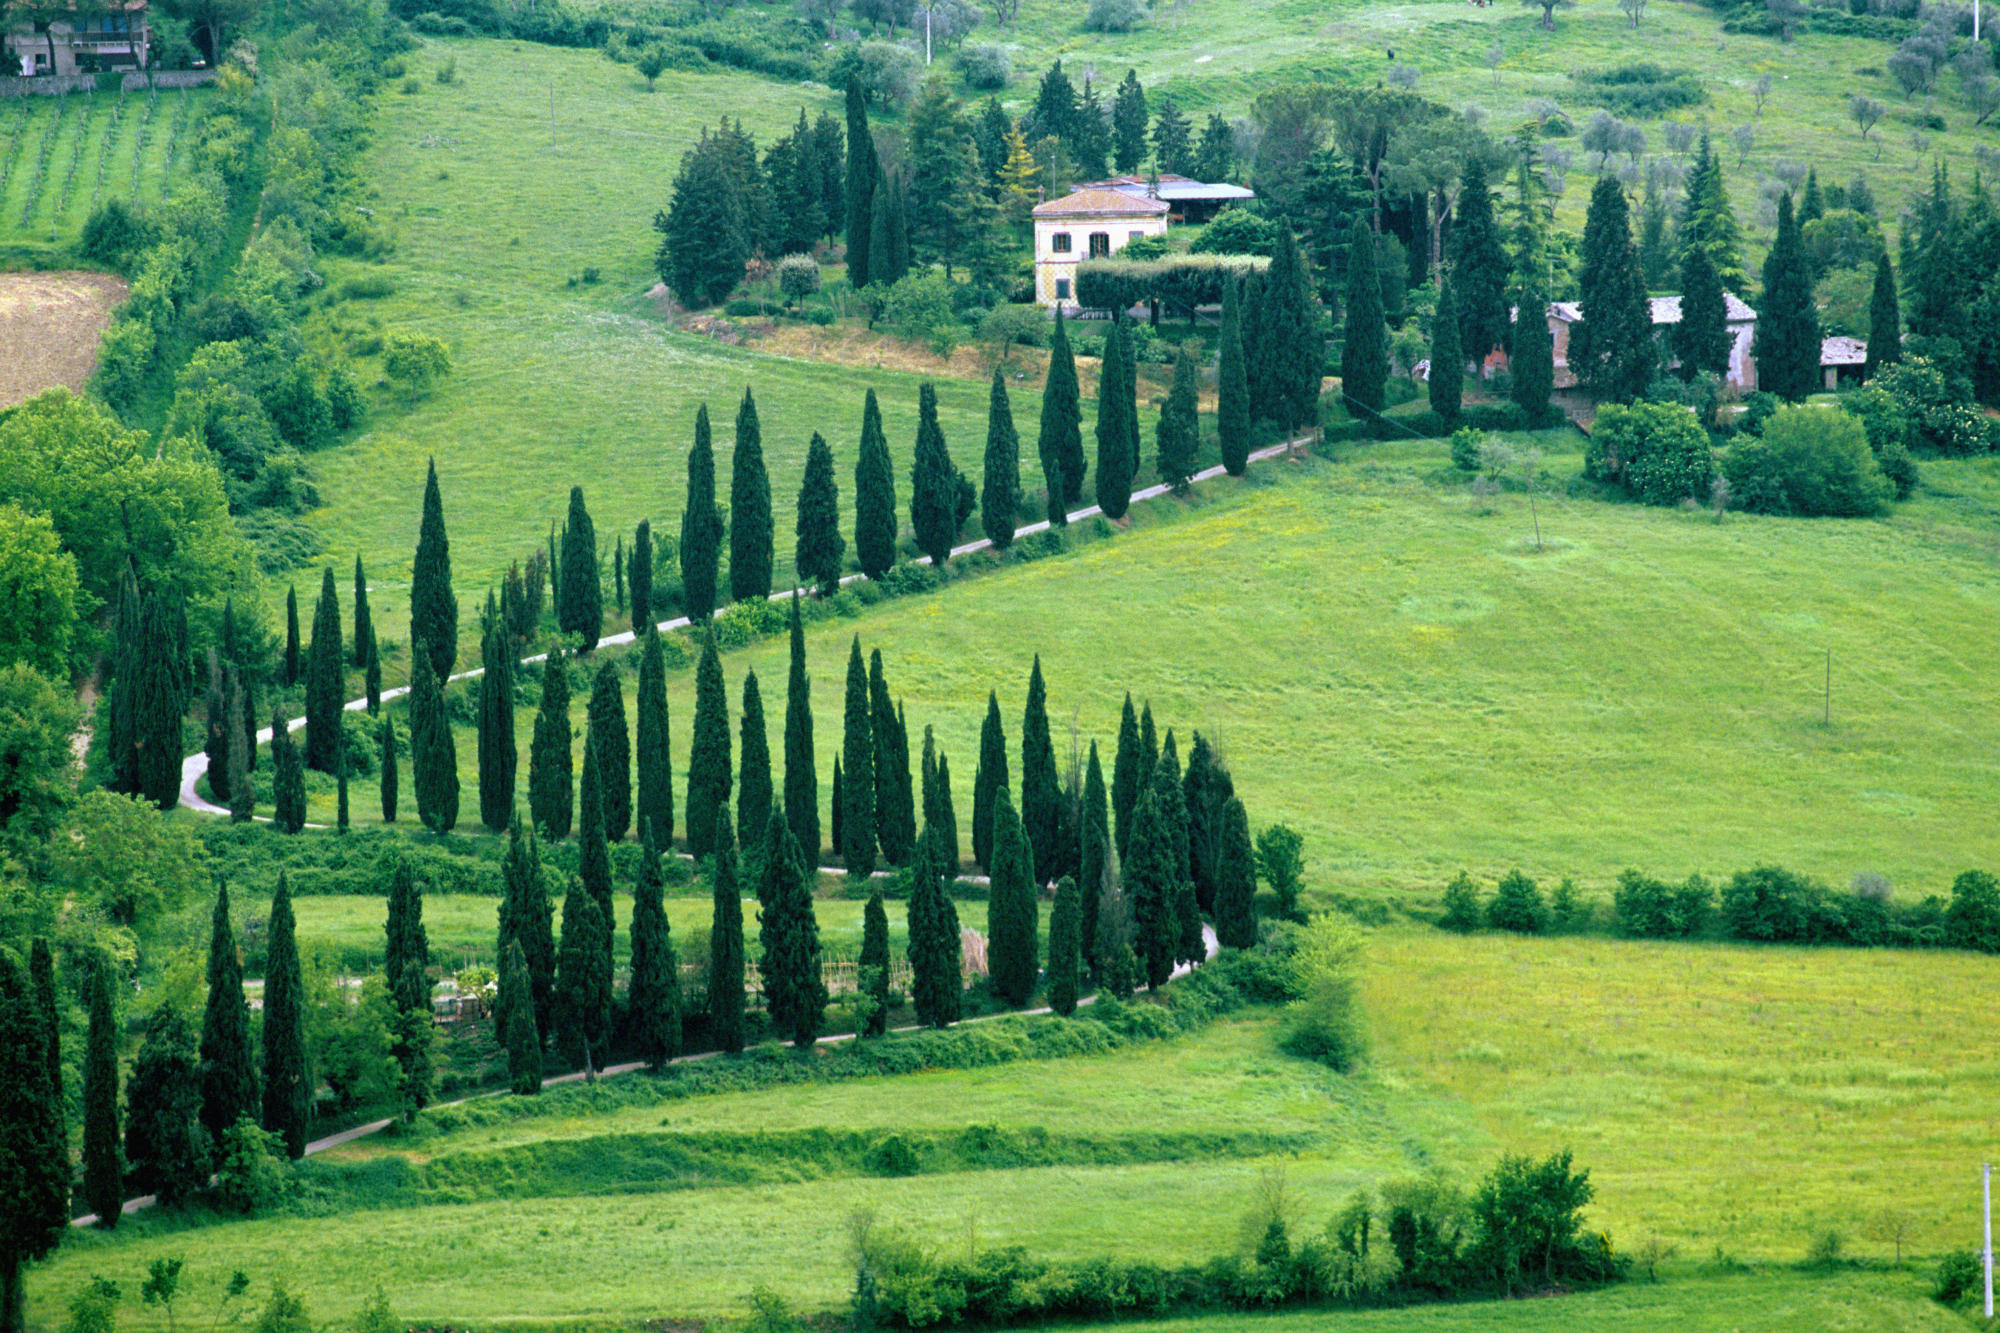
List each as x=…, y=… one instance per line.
x=1841, y=350
x=1664, y=310
x=1173, y=188
x=1092, y=202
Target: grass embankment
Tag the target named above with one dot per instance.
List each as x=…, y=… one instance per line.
x=61, y=156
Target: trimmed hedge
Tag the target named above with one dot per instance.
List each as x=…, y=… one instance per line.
x=1178, y=281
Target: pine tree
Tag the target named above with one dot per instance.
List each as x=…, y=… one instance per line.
x=751, y=532
x=709, y=778
x=527, y=919
x=801, y=772
x=364, y=621
x=725, y=944
x=1041, y=787
x=288, y=780
x=1151, y=886
x=1232, y=389
x=1065, y=948
x=988, y=781
x=1173, y=141
x=1012, y=946
x=793, y=991
x=165, y=1145
x=1364, y=356
x=1128, y=778
x=1885, y=320
x=228, y=1069
x=874, y=496
x=294, y=657
x=701, y=527
x=894, y=820
x=288, y=1075
x=936, y=970
x=583, y=981
x=653, y=1000
x=1292, y=337
x=103, y=1170
x=1000, y=494
x=1117, y=452
x=1611, y=347
x=1707, y=221
x=1447, y=376
x=34, y=1170
x=874, y=966
x=753, y=793
x=862, y=170
x=614, y=750
x=433, y=757
x=1787, y=340
x=433, y=607
x=1478, y=266
x=1128, y=124
x=1235, y=880
x=1094, y=846
x=515, y=1021
x=856, y=778
x=1060, y=443
x=1178, y=432
x=593, y=852
x=551, y=777
x=325, y=680
x=641, y=577
x=580, y=596
x=1701, y=339
x=498, y=758
x=389, y=775
x=933, y=484
x=654, y=809
x=820, y=548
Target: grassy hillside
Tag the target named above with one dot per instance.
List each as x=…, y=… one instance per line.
x=62, y=156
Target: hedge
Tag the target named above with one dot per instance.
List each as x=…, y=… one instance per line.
x=1179, y=281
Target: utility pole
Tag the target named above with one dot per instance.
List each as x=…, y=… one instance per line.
x=928, y=11
x=1986, y=1199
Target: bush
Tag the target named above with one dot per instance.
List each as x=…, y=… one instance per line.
x=1461, y=906
x=1180, y=282
x=1652, y=909
x=1114, y=15
x=985, y=66
x=1325, y=1022
x=250, y=1168
x=918, y=307
x=1938, y=406
x=1466, y=444
x=1237, y=231
x=1281, y=865
x=114, y=234
x=798, y=277
x=1517, y=906
x=1808, y=461
x=1640, y=90
x=1655, y=450
x=1770, y=905
x=1959, y=1272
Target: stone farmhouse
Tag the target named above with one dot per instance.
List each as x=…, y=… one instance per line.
x=96, y=37
x=1097, y=220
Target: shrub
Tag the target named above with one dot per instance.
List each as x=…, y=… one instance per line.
x=1656, y=450
x=1567, y=909
x=1770, y=905
x=1653, y=909
x=250, y=1168
x=1973, y=919
x=1939, y=407
x=918, y=307
x=1325, y=1022
x=887, y=73
x=1281, y=865
x=114, y=234
x=1466, y=444
x=1237, y=231
x=1808, y=461
x=892, y=1156
x=1517, y=906
x=1179, y=282
x=1958, y=1273
x=986, y=67
x=1114, y=15
x=1640, y=90
x=1461, y=906
x=798, y=277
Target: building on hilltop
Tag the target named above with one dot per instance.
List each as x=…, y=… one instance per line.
x=94, y=38
x=1097, y=220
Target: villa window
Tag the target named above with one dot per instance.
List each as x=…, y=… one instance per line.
x=1059, y=242
x=1100, y=244
x=1062, y=289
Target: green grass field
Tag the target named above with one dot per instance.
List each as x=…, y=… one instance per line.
x=62, y=156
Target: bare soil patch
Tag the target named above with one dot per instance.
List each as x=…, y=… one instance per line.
x=50, y=324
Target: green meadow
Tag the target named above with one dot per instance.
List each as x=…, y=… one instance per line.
x=60, y=157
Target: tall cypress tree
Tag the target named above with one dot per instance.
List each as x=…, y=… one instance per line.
x=294, y=643
x=618, y=574
x=641, y=577
x=551, y=776
x=583, y=981
x=1127, y=780
x=228, y=1069
x=288, y=1076
x=364, y=620
x=580, y=593
x=593, y=853
x=371, y=678
x=498, y=759
x=906, y=793
x=701, y=527
x=708, y=756
x=42, y=978
x=1149, y=744
x=288, y=780
x=1531, y=357
x=326, y=681
x=1447, y=377
x=839, y=807
x=216, y=728
x=894, y=822
x=433, y=606
x=1065, y=948
x=433, y=757
x=654, y=810
x=242, y=737
x=874, y=495
x=1177, y=434
x=165, y=1145
x=947, y=820
x=819, y=549
x=753, y=784
x=406, y=948
x=1232, y=390
x=614, y=750
x=1206, y=786
x=1041, y=787
x=158, y=703
x=515, y=1019
x=1117, y=452
x=1885, y=320
x=340, y=812
x=1094, y=842
x=988, y=779
x=653, y=1000
x=750, y=526
x=1611, y=347
x=888, y=231
x=862, y=171
x=1011, y=930
x=1364, y=355
x=725, y=943
x=1150, y=885
x=1701, y=339
x=389, y=774
x=527, y=919
x=875, y=964
x=936, y=970
x=103, y=1171
x=793, y=991
x=1060, y=442
x=1788, y=333
x=1235, y=880
x=856, y=776
x=1174, y=814
x=1478, y=267
x=1291, y=332
x=933, y=484
x=34, y=1171
x=1000, y=491
x=801, y=773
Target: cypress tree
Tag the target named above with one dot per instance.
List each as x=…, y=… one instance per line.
x=165, y=1144
x=1041, y=788
x=618, y=574
x=892, y=815
x=498, y=758
x=1701, y=339
x=583, y=981
x=527, y=919
x=701, y=528
x=1788, y=334
x=708, y=755
x=1177, y=434
x=793, y=991
x=1478, y=268
x=1150, y=885
x=1011, y=928
x=1126, y=778
x=753, y=789
x=819, y=549
x=551, y=778
x=364, y=622
x=1149, y=745
x=216, y=728
x=42, y=980
x=340, y=817
x=103, y=1171
x=936, y=970
x=288, y=1076
x=1531, y=358
x=1447, y=378
x=242, y=735
x=839, y=808
x=228, y=1069
x=1235, y=880
x=516, y=1023
x=1232, y=389
x=947, y=821
x=1364, y=355
x=856, y=779
x=288, y=780
x=1291, y=331
x=641, y=577
x=653, y=1000
x=1060, y=442
x=127, y=650
x=158, y=701
x=874, y=496
x=654, y=810
x=875, y=964
x=371, y=679
x=933, y=486
x=34, y=1171
x=725, y=944
x=906, y=792
x=1117, y=453
x=294, y=662
x=1094, y=843
x=433, y=607
x=433, y=757
x=989, y=779
x=1199, y=785
x=406, y=950
x=1065, y=948
x=862, y=171
x=614, y=750
x=888, y=232
x=1174, y=814
x=593, y=853
x=1000, y=493
x=801, y=773
x=580, y=594
x=388, y=770
x=1611, y=347
x=1885, y=320
x=750, y=526
x=929, y=779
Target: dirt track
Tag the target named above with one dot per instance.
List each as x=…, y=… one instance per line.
x=49, y=327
